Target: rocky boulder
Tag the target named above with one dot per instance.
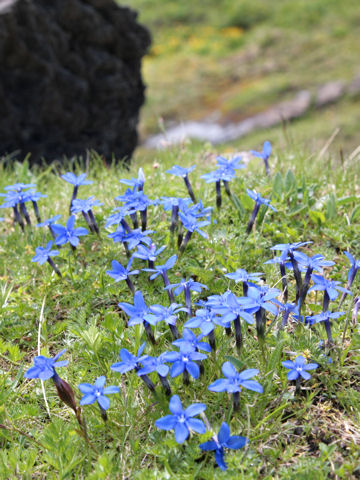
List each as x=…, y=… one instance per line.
x=70, y=78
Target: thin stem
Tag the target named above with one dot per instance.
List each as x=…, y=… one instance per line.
x=245, y=288
x=298, y=387
x=125, y=225
x=238, y=334
x=218, y=194
x=54, y=267
x=284, y=281
x=166, y=385
x=174, y=331
x=87, y=220
x=143, y=214
x=285, y=317
x=236, y=401
x=227, y=188
x=228, y=330
x=180, y=235
x=17, y=218
x=134, y=219
x=149, y=332
x=103, y=413
x=167, y=283
x=297, y=275
x=267, y=168
x=187, y=295
x=185, y=242
x=326, y=301
x=25, y=213
x=328, y=331
x=260, y=327
x=174, y=218
x=36, y=210
x=93, y=222
x=189, y=189
x=253, y=218
x=130, y=285
x=212, y=341
x=186, y=379
x=53, y=234
x=74, y=195
x=305, y=288
x=148, y=382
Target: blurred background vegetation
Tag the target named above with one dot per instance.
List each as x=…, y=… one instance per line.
x=228, y=60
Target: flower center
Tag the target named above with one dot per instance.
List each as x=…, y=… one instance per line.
x=298, y=369
x=185, y=359
x=182, y=419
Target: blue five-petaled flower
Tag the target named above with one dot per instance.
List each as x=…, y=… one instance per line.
x=182, y=420
x=298, y=368
x=97, y=392
x=44, y=368
x=221, y=441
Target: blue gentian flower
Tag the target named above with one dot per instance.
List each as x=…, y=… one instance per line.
x=148, y=253
x=241, y=275
x=119, y=235
x=205, y=320
x=234, y=163
x=287, y=309
x=265, y=154
x=182, y=420
x=184, y=361
x=79, y=205
x=159, y=313
x=195, y=342
x=154, y=364
x=221, y=441
x=161, y=269
x=43, y=254
x=118, y=217
x=180, y=171
x=137, y=311
x=137, y=236
x=355, y=265
x=44, y=368
x=186, y=286
x=68, y=233
x=74, y=180
x=129, y=361
x=259, y=200
x=235, y=381
x=135, y=182
x=191, y=224
x=50, y=221
x=18, y=187
x=96, y=393
x=325, y=317
x=330, y=288
x=119, y=273
x=299, y=368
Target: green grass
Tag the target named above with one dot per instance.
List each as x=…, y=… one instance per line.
x=238, y=58
x=317, y=199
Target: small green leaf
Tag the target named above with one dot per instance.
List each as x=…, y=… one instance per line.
x=355, y=214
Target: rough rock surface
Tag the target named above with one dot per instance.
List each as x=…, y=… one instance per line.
x=70, y=78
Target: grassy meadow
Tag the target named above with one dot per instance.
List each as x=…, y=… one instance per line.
x=290, y=435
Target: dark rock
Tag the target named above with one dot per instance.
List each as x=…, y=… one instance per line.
x=70, y=78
